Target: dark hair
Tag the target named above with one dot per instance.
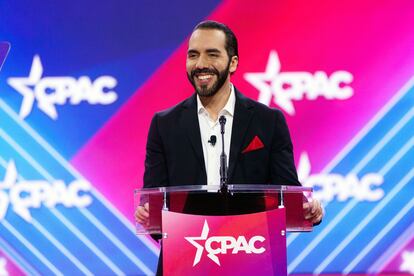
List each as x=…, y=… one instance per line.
x=231, y=40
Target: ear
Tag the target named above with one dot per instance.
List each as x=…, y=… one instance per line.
x=234, y=63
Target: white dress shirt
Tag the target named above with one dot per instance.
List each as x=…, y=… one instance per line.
x=209, y=127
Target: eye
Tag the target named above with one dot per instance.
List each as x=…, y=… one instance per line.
x=191, y=55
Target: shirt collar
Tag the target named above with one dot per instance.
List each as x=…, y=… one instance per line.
x=227, y=109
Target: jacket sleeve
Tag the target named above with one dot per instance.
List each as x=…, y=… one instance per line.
x=282, y=166
x=156, y=173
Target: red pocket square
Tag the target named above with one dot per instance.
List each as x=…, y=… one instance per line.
x=255, y=144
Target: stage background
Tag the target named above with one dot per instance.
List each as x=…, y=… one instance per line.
x=84, y=78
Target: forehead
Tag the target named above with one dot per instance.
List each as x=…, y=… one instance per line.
x=202, y=39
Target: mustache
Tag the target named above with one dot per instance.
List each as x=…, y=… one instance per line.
x=204, y=71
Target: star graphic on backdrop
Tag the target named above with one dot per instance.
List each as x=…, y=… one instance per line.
x=267, y=83
x=408, y=262
x=22, y=85
x=9, y=182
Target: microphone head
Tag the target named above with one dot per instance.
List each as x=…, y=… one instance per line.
x=222, y=119
x=213, y=140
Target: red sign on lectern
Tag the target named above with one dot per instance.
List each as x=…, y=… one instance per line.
x=250, y=244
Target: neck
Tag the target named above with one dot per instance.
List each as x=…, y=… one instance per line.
x=216, y=103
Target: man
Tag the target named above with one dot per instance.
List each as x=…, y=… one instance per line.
x=180, y=150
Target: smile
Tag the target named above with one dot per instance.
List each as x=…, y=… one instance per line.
x=204, y=77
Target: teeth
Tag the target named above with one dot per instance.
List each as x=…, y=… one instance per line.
x=204, y=77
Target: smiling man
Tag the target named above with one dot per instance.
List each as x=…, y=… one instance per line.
x=180, y=148
x=212, y=56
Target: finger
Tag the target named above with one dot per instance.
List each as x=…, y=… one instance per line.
x=312, y=217
x=319, y=214
x=143, y=221
x=314, y=212
x=141, y=216
x=306, y=210
x=138, y=215
x=315, y=207
x=309, y=215
x=140, y=221
x=143, y=211
x=317, y=219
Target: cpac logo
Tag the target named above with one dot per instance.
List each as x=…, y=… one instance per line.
x=27, y=194
x=52, y=91
x=221, y=244
x=293, y=86
x=343, y=187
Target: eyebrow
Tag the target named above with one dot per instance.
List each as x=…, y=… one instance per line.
x=211, y=50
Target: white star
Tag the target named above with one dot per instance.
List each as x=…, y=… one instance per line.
x=10, y=177
x=22, y=86
x=269, y=82
x=8, y=182
x=408, y=262
x=203, y=237
x=200, y=248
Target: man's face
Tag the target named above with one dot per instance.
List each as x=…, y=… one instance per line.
x=208, y=65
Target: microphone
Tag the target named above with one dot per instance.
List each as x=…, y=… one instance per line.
x=222, y=121
x=223, y=158
x=213, y=140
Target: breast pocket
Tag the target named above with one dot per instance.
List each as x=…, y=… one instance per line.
x=255, y=165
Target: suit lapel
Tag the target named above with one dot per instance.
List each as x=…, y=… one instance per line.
x=243, y=113
x=189, y=122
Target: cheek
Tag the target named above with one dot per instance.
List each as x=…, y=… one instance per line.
x=189, y=67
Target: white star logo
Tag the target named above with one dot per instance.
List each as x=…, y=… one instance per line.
x=408, y=262
x=200, y=248
x=22, y=86
x=23, y=195
x=60, y=90
x=286, y=87
x=265, y=83
x=9, y=182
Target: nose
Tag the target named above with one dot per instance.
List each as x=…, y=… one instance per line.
x=201, y=62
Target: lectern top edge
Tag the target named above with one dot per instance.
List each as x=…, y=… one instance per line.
x=239, y=188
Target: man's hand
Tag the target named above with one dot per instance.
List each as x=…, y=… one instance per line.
x=313, y=211
x=142, y=215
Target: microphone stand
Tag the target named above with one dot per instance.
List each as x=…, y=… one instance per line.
x=223, y=159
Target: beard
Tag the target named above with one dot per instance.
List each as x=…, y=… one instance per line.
x=204, y=91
